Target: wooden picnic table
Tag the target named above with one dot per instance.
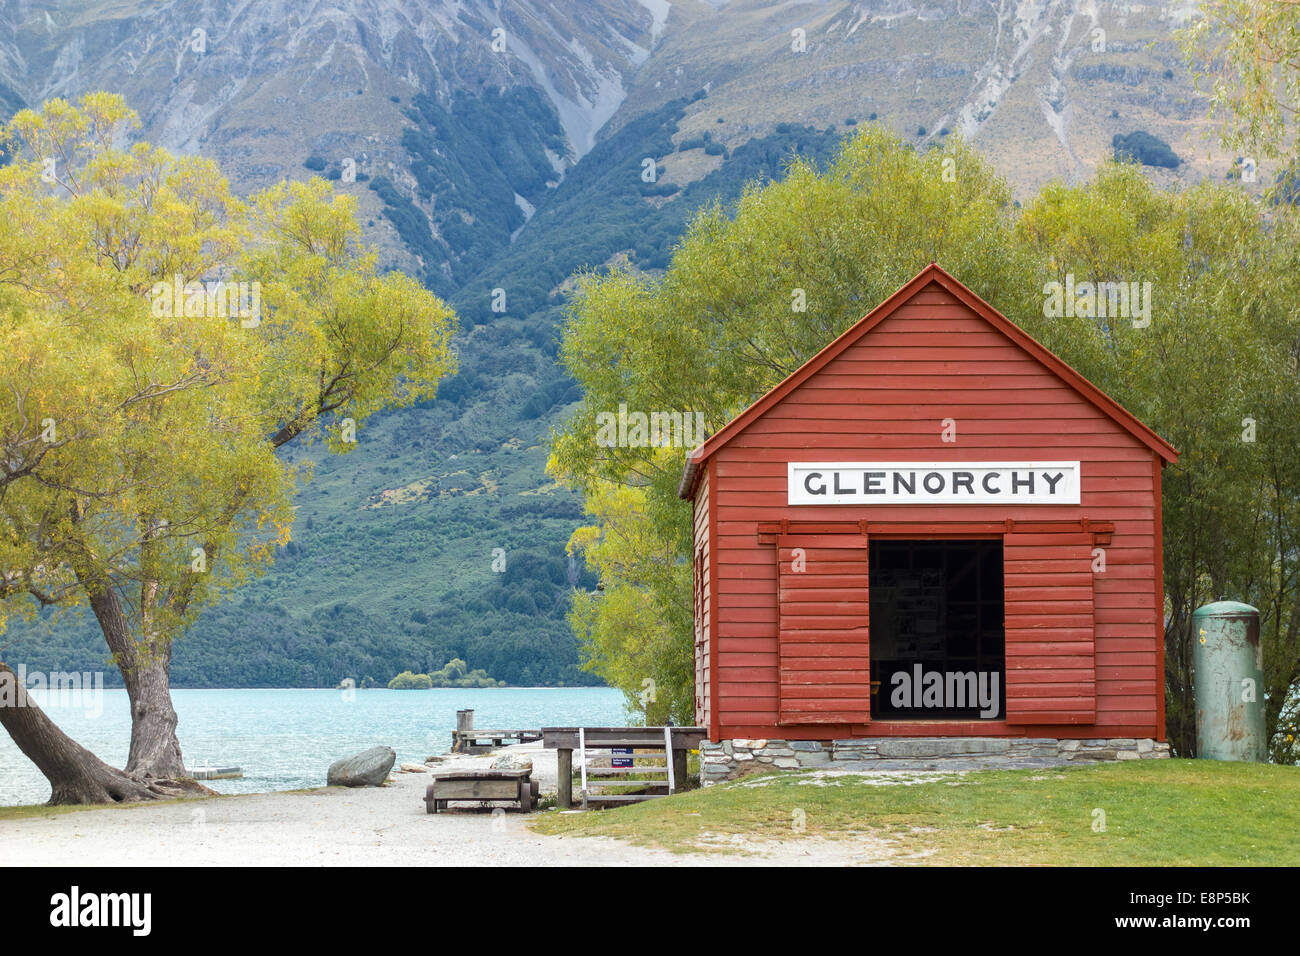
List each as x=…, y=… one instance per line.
x=450, y=785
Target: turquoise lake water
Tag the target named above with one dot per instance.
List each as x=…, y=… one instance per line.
x=286, y=739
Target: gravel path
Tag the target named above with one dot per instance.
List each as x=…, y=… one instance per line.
x=381, y=826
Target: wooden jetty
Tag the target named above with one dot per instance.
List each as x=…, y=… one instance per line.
x=481, y=741
x=466, y=740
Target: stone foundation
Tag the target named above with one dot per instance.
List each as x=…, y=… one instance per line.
x=728, y=759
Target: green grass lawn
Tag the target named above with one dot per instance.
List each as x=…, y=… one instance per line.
x=1156, y=812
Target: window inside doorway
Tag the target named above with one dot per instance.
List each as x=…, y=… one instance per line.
x=937, y=641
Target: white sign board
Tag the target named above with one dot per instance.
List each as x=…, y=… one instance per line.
x=933, y=482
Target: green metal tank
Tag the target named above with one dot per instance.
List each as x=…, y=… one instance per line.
x=1228, y=664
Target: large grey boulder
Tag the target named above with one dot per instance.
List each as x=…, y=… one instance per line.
x=511, y=761
x=366, y=769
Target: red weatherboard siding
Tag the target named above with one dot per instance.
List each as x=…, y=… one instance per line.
x=702, y=593
x=823, y=666
x=1050, y=625
x=1084, y=668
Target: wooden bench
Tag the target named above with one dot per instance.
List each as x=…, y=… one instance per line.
x=515, y=785
x=606, y=740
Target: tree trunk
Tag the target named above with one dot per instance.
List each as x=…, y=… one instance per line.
x=155, y=749
x=76, y=775
x=1180, y=702
x=146, y=672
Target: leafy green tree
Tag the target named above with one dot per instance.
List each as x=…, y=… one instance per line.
x=626, y=636
x=410, y=681
x=1214, y=371
x=456, y=673
x=1140, y=146
x=1247, y=53
x=749, y=295
x=146, y=402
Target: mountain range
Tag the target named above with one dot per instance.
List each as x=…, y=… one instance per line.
x=496, y=147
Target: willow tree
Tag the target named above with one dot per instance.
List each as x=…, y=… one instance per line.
x=627, y=636
x=750, y=294
x=1246, y=55
x=164, y=340
x=1213, y=370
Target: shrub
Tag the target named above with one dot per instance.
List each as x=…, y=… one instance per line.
x=1144, y=148
x=658, y=189
x=408, y=680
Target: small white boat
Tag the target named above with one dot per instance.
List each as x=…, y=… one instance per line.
x=216, y=773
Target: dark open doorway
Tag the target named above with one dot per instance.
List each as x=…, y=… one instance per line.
x=937, y=608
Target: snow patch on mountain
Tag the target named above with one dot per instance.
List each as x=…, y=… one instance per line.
x=659, y=16
x=581, y=117
x=525, y=207
x=1020, y=27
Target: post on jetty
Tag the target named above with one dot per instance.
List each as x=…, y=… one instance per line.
x=466, y=740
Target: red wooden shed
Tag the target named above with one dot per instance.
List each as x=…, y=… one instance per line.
x=935, y=527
